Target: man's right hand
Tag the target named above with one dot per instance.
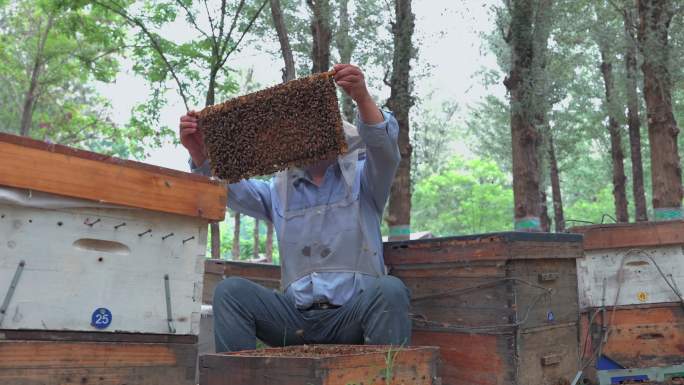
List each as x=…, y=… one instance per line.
x=192, y=138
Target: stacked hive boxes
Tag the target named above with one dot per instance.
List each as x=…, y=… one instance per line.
x=502, y=307
x=630, y=291
x=101, y=265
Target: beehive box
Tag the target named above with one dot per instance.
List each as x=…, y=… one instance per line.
x=77, y=358
x=287, y=125
x=322, y=365
x=267, y=275
x=99, y=255
x=501, y=307
x=634, y=271
x=216, y=270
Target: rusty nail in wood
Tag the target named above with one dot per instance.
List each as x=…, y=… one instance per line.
x=143, y=233
x=167, y=236
x=119, y=225
x=91, y=223
x=188, y=239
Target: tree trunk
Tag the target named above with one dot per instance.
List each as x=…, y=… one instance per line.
x=321, y=33
x=236, y=237
x=633, y=121
x=400, y=102
x=559, y=217
x=666, y=173
x=346, y=47
x=32, y=93
x=214, y=227
x=617, y=155
x=544, y=220
x=281, y=30
x=527, y=40
x=255, y=250
x=269, y=242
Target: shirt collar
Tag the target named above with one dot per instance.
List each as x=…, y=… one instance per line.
x=299, y=174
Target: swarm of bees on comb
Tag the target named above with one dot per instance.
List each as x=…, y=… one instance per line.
x=292, y=124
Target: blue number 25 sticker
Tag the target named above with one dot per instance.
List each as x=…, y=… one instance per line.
x=101, y=318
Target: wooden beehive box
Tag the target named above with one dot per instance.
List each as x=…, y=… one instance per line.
x=267, y=275
x=215, y=270
x=101, y=265
x=636, y=269
x=502, y=307
x=322, y=365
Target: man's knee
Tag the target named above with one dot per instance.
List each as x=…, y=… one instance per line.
x=393, y=291
x=233, y=287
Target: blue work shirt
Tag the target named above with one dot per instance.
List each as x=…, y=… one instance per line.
x=377, y=169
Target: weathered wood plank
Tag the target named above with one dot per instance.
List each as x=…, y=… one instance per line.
x=640, y=234
x=560, y=305
x=640, y=337
x=548, y=355
x=416, y=365
x=48, y=335
x=495, y=246
x=474, y=359
x=30, y=164
x=59, y=363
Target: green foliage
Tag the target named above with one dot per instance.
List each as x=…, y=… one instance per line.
x=433, y=135
x=195, y=67
x=246, y=239
x=50, y=53
x=466, y=197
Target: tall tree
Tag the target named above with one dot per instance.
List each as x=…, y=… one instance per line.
x=617, y=155
x=604, y=32
x=345, y=47
x=529, y=23
x=236, y=237
x=558, y=213
x=400, y=102
x=283, y=39
x=666, y=172
x=321, y=31
x=190, y=63
x=633, y=121
x=256, y=239
x=50, y=53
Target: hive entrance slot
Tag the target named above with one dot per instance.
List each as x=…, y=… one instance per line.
x=102, y=245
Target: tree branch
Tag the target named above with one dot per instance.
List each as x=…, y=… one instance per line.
x=192, y=19
x=618, y=8
x=223, y=20
x=224, y=45
x=155, y=44
x=211, y=21
x=249, y=26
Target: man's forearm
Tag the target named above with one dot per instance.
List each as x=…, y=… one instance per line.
x=369, y=111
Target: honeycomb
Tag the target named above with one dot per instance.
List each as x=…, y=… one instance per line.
x=291, y=124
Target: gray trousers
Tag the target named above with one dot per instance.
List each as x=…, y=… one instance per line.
x=245, y=311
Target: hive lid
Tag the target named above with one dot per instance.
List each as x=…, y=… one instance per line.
x=491, y=246
x=35, y=165
x=641, y=234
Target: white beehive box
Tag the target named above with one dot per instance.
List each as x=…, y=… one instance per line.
x=631, y=264
x=121, y=260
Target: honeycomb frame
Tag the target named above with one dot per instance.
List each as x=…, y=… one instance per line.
x=291, y=124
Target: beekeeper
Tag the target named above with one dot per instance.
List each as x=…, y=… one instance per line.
x=335, y=287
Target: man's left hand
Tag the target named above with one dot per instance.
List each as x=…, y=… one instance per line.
x=350, y=78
